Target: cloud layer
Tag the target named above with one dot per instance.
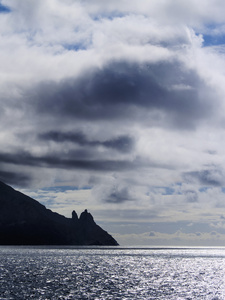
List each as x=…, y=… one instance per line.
x=124, y=98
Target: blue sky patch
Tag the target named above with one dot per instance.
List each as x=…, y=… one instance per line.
x=213, y=40
x=203, y=189
x=109, y=16
x=214, y=36
x=4, y=9
x=168, y=191
x=74, y=47
x=65, y=188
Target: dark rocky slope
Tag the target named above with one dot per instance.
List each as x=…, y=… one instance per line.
x=24, y=221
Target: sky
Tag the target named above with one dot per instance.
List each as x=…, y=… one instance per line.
x=118, y=107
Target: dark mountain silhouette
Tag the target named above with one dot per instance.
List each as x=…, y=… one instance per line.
x=24, y=221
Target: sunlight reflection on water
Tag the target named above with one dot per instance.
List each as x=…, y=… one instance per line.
x=111, y=273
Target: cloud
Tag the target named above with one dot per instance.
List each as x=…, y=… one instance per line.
x=176, y=239
x=124, y=97
x=121, y=143
x=119, y=195
x=15, y=178
x=55, y=161
x=128, y=91
x=210, y=177
x=192, y=196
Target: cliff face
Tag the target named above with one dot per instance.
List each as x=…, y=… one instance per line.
x=24, y=221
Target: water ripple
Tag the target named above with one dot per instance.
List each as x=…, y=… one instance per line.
x=49, y=273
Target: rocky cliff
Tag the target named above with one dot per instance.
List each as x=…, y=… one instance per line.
x=24, y=221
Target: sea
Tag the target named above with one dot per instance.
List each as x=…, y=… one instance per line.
x=112, y=273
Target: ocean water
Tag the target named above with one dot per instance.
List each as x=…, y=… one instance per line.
x=112, y=273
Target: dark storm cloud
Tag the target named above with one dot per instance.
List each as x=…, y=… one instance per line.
x=124, y=90
x=66, y=162
x=85, y=160
x=121, y=143
x=119, y=196
x=205, y=177
x=16, y=179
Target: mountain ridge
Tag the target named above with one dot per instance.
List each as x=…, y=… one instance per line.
x=25, y=221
